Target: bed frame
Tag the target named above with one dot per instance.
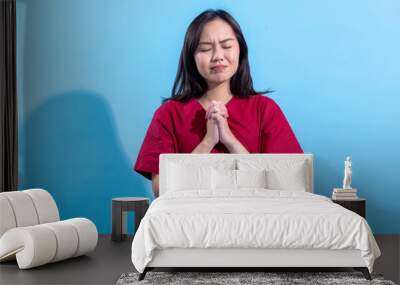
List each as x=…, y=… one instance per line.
x=249, y=258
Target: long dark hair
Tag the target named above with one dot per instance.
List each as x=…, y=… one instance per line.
x=188, y=81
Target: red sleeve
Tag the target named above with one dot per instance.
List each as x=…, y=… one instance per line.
x=159, y=139
x=277, y=135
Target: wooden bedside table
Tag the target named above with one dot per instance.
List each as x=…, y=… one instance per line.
x=357, y=205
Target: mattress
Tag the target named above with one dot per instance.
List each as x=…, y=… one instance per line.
x=250, y=219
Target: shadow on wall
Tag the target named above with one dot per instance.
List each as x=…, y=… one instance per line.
x=73, y=151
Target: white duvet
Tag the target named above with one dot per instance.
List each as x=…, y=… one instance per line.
x=251, y=218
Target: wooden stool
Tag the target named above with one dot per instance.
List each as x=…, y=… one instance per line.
x=120, y=207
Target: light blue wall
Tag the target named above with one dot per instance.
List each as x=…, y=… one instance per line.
x=91, y=73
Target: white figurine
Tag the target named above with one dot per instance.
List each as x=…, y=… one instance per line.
x=347, y=174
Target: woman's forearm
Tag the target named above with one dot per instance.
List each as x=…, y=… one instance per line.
x=236, y=147
x=155, y=184
x=205, y=146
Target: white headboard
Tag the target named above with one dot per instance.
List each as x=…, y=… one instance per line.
x=216, y=158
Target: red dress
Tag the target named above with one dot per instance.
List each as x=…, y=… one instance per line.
x=177, y=127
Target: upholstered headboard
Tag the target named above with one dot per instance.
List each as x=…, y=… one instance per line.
x=231, y=161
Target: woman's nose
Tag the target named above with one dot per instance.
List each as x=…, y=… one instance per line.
x=217, y=55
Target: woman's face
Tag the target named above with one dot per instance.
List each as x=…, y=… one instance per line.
x=217, y=55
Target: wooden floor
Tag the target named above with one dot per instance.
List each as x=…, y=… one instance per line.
x=111, y=259
x=102, y=266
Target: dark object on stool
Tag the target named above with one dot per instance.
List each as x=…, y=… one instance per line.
x=119, y=208
x=356, y=205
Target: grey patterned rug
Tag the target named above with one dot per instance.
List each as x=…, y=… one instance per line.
x=230, y=278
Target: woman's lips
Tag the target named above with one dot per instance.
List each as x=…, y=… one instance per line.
x=218, y=68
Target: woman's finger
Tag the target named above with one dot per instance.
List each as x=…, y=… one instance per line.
x=216, y=107
x=217, y=117
x=208, y=112
x=222, y=109
x=211, y=109
x=224, y=112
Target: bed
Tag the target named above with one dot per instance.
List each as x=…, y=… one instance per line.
x=247, y=210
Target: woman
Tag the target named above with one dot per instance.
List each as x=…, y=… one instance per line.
x=213, y=107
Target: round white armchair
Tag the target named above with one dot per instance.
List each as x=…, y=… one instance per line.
x=31, y=230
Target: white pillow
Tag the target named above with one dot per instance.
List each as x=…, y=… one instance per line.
x=183, y=177
x=281, y=174
x=293, y=178
x=251, y=178
x=223, y=179
x=228, y=179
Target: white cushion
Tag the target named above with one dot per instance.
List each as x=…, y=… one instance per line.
x=282, y=174
x=223, y=179
x=23, y=208
x=67, y=239
x=32, y=246
x=251, y=178
x=290, y=178
x=7, y=218
x=170, y=173
x=87, y=233
x=182, y=177
x=40, y=244
x=26, y=208
x=230, y=180
x=46, y=207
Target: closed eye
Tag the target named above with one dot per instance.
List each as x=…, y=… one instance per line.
x=204, y=50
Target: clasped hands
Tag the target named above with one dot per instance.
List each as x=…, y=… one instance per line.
x=217, y=124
